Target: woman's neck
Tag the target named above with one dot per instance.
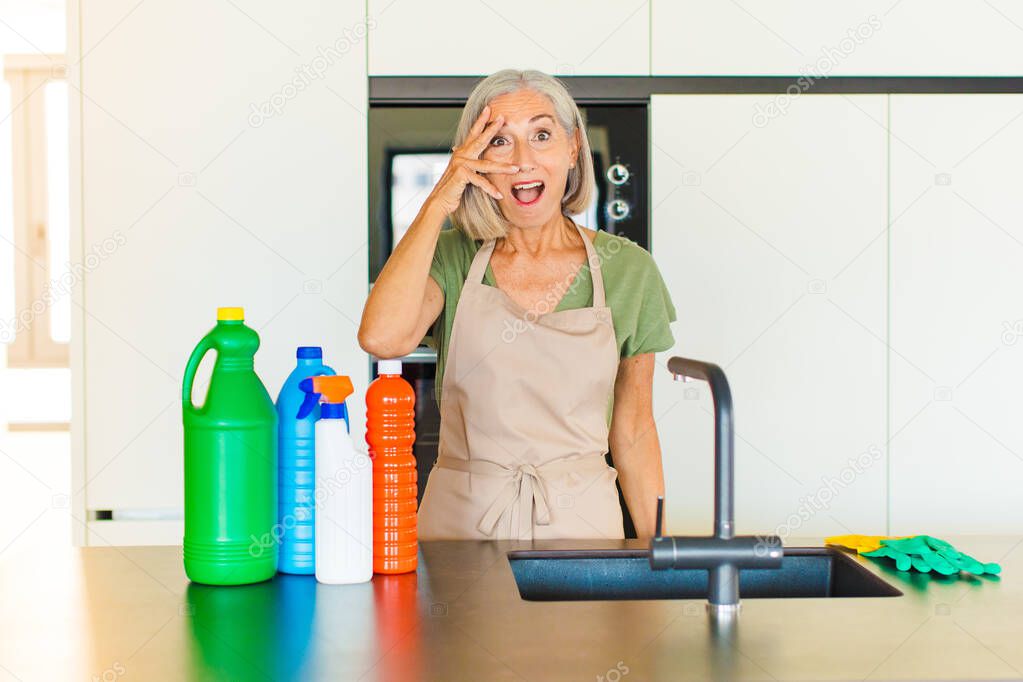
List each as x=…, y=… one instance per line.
x=559, y=233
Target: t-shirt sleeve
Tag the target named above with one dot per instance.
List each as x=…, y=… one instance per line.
x=437, y=266
x=655, y=312
x=439, y=273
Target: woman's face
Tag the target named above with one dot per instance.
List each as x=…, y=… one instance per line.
x=533, y=140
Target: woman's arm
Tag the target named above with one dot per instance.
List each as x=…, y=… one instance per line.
x=633, y=441
x=404, y=300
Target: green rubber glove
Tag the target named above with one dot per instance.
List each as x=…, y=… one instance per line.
x=925, y=553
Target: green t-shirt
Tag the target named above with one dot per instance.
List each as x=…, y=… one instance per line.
x=641, y=307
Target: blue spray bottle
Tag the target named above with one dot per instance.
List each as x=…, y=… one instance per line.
x=296, y=467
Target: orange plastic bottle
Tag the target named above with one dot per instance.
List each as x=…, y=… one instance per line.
x=390, y=433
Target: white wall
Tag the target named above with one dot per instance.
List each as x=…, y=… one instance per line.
x=957, y=313
x=766, y=237
x=854, y=266
x=698, y=37
x=870, y=37
x=194, y=201
x=453, y=38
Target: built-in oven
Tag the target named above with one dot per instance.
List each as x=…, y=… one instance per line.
x=410, y=140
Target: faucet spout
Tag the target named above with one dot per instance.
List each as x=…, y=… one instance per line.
x=721, y=554
x=724, y=439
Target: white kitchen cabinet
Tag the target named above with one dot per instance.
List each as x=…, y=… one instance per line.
x=770, y=238
x=451, y=38
x=217, y=172
x=957, y=313
x=872, y=37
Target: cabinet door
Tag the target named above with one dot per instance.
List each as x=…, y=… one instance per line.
x=957, y=313
x=770, y=235
x=451, y=38
x=870, y=37
x=209, y=178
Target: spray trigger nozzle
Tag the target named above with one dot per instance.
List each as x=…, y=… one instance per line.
x=332, y=389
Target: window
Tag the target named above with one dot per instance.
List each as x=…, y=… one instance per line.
x=34, y=185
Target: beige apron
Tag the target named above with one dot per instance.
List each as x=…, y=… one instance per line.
x=523, y=427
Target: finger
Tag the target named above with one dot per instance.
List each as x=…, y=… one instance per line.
x=477, y=145
x=943, y=566
x=902, y=561
x=939, y=563
x=479, y=123
x=486, y=135
x=484, y=166
x=950, y=554
x=485, y=185
x=970, y=565
x=911, y=544
x=937, y=543
x=477, y=128
x=919, y=564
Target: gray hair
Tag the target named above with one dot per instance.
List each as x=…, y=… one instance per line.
x=478, y=214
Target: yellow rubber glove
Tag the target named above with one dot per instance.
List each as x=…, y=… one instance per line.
x=860, y=543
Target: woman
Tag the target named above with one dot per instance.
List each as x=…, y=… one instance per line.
x=546, y=331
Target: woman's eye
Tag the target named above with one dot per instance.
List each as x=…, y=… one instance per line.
x=543, y=136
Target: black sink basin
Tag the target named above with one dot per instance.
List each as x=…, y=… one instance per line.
x=574, y=575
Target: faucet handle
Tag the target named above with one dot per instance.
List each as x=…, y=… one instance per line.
x=660, y=516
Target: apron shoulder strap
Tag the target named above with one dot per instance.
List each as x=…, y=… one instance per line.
x=480, y=261
x=596, y=274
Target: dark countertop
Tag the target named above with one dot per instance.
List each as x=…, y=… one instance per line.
x=130, y=614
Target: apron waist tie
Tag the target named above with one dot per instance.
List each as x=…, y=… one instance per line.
x=525, y=487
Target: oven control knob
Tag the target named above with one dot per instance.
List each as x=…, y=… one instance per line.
x=618, y=174
x=618, y=209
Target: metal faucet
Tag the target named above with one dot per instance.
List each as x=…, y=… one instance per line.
x=722, y=553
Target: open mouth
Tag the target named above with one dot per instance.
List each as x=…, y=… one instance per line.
x=527, y=193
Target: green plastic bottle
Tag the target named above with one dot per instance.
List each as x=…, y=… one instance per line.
x=230, y=462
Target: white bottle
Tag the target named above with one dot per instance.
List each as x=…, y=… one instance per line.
x=343, y=494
